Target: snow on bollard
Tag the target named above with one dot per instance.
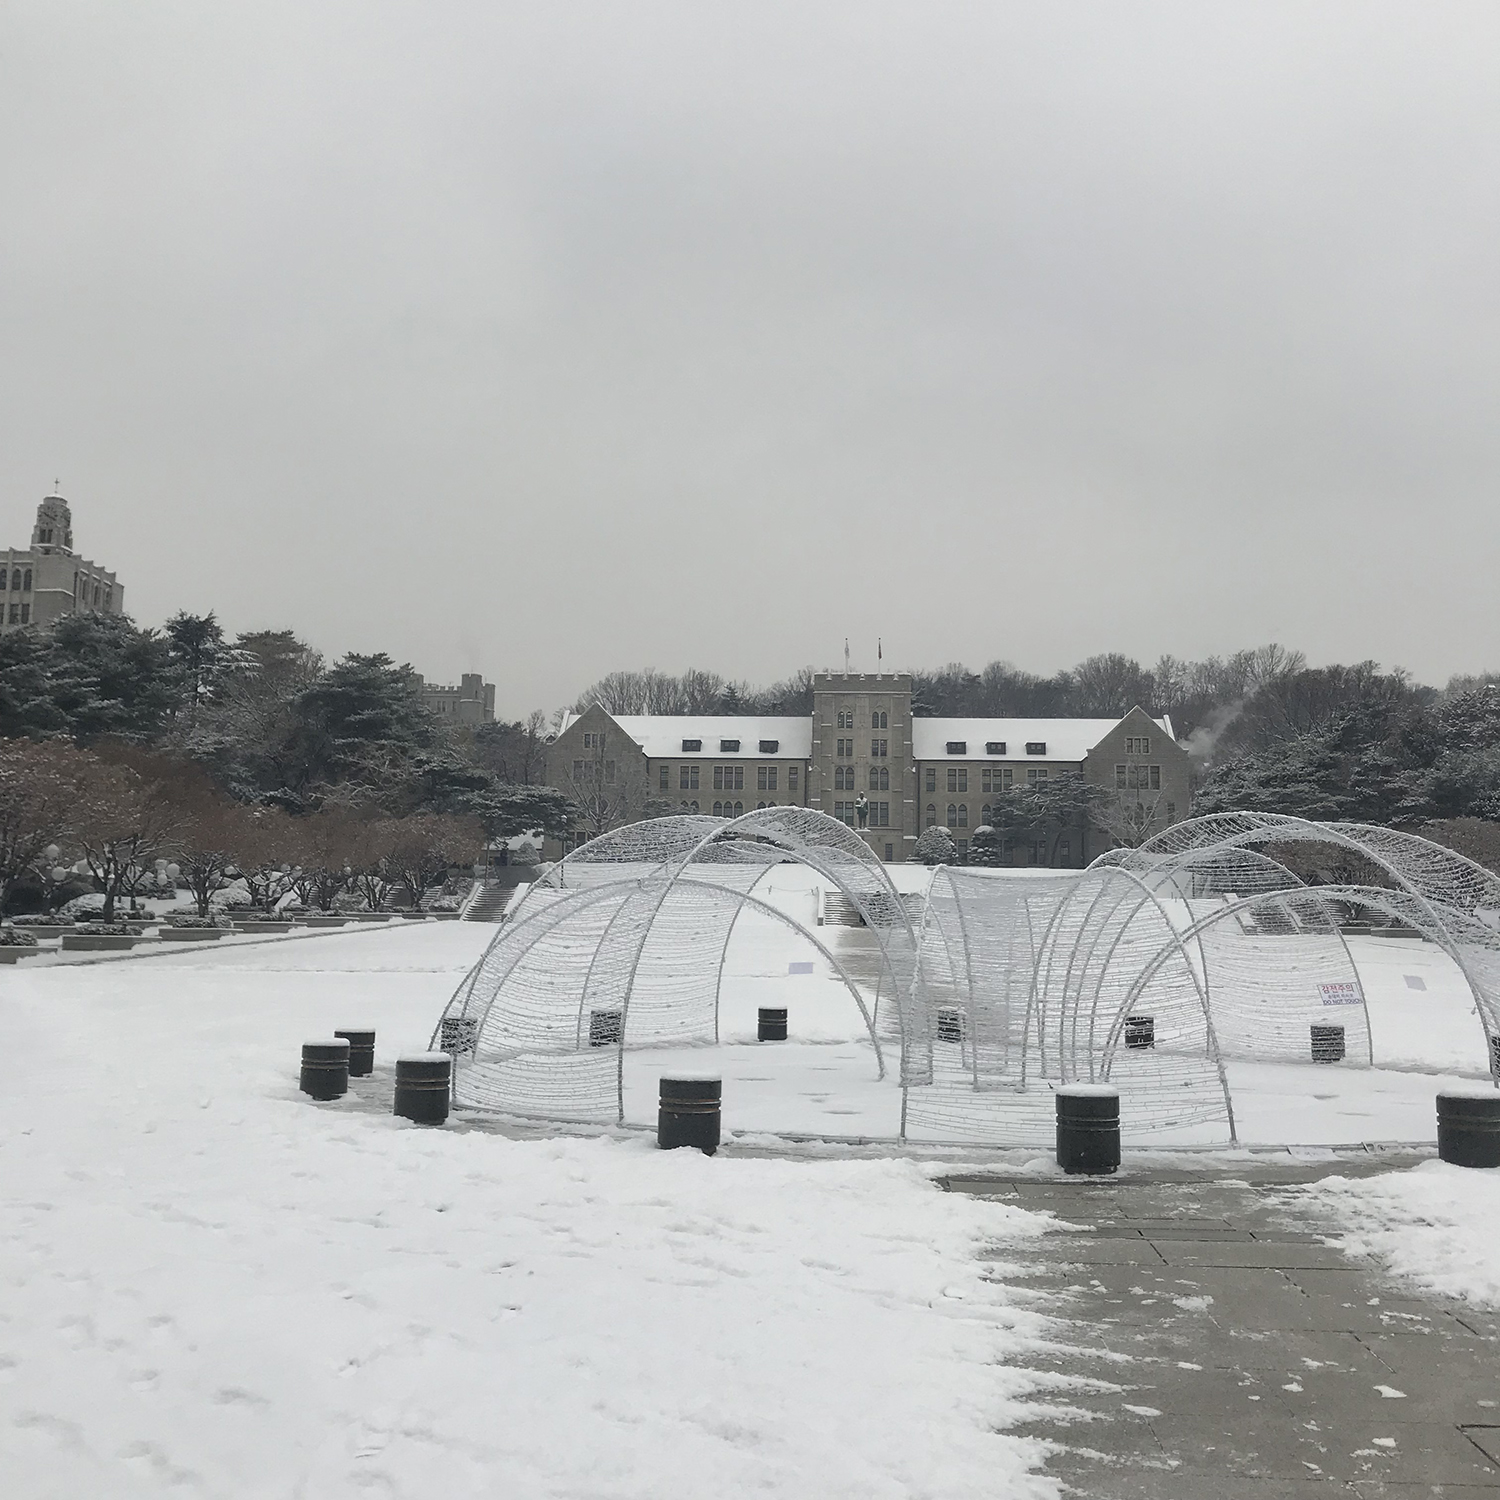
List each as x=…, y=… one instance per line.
x=1140, y=1032
x=689, y=1112
x=1468, y=1127
x=325, y=1069
x=423, y=1083
x=1327, y=1044
x=770, y=1024
x=1088, y=1128
x=361, y=1052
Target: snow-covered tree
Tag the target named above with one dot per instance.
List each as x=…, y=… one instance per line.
x=935, y=846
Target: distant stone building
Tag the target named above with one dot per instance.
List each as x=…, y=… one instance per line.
x=47, y=579
x=861, y=745
x=471, y=702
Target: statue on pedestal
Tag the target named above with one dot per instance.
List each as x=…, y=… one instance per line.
x=862, y=809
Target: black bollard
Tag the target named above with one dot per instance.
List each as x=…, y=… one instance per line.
x=423, y=1083
x=325, y=1069
x=1468, y=1126
x=950, y=1021
x=770, y=1025
x=1140, y=1031
x=604, y=1028
x=689, y=1113
x=1327, y=1044
x=361, y=1052
x=1088, y=1128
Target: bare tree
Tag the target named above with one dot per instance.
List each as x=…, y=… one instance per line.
x=122, y=821
x=608, y=789
x=39, y=789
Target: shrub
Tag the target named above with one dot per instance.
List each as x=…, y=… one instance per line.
x=10, y=938
x=936, y=847
x=209, y=921
x=109, y=929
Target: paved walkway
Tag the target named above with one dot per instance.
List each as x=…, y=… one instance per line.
x=1242, y=1357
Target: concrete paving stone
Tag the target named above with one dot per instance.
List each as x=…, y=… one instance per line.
x=1076, y=1250
x=1485, y=1436
x=1198, y=1484
x=1408, y=1452
x=1178, y=1392
x=1263, y=1443
x=1192, y=1232
x=1275, y=1349
x=1363, y=1395
x=1283, y=1257
x=1375, y=1489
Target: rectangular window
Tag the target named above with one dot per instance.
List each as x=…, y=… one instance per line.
x=26, y=614
x=2, y=581
x=890, y=853
x=931, y=783
x=877, y=749
x=729, y=747
x=591, y=742
x=609, y=772
x=963, y=778
x=760, y=779
x=739, y=777
x=1155, y=778
x=994, y=779
x=1120, y=776
x=769, y=747
x=1138, y=745
x=665, y=784
x=957, y=747
x=994, y=747
x=687, y=778
x=1036, y=747
x=1132, y=776
x=691, y=747
x=26, y=582
x=1065, y=852
x=952, y=778
x=1035, y=774
x=718, y=778
x=577, y=770
x=793, y=776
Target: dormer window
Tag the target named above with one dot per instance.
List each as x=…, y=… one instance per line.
x=1036, y=747
x=958, y=747
x=769, y=747
x=994, y=747
x=690, y=747
x=729, y=747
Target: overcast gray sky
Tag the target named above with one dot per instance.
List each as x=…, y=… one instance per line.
x=545, y=340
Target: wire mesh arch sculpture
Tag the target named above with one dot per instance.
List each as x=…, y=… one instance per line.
x=1008, y=985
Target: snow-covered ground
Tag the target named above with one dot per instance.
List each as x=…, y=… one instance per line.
x=1437, y=1226
x=214, y=1287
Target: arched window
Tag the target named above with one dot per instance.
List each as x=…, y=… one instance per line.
x=693, y=805
x=985, y=814
x=952, y=814
x=963, y=814
x=931, y=815
x=718, y=809
x=760, y=807
x=739, y=809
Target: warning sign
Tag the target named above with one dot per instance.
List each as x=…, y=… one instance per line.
x=1345, y=992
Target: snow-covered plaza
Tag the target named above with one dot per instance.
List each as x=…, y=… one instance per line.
x=216, y=1287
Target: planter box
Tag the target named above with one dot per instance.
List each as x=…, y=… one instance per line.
x=321, y=921
x=193, y=934
x=97, y=942
x=15, y=955
x=252, y=927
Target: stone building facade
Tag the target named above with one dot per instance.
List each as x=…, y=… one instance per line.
x=471, y=702
x=46, y=580
x=862, y=751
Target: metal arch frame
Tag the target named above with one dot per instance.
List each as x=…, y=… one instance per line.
x=742, y=899
x=1306, y=830
x=1365, y=895
x=1175, y=942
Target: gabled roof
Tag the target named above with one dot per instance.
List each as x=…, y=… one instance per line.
x=1065, y=739
x=661, y=735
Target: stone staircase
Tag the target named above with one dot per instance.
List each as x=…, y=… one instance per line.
x=490, y=903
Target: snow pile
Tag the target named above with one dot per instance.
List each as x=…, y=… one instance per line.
x=1435, y=1225
x=218, y=1287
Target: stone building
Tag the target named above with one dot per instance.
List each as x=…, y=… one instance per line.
x=862, y=751
x=471, y=702
x=47, y=579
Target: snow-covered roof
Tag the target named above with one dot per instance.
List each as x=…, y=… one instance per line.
x=1065, y=739
x=661, y=735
